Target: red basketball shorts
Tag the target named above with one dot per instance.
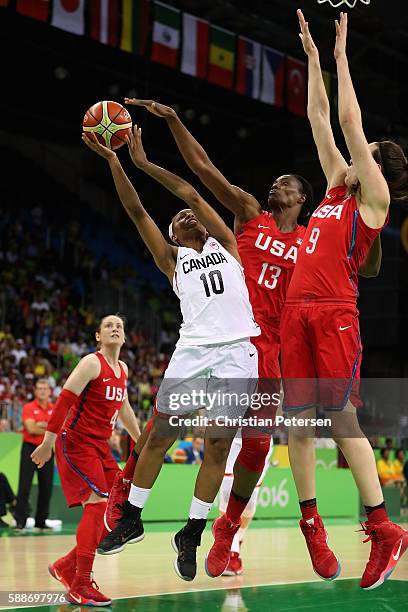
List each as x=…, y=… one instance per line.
x=320, y=355
x=268, y=347
x=84, y=465
x=269, y=384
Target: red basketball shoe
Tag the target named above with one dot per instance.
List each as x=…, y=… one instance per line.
x=324, y=561
x=388, y=543
x=117, y=496
x=234, y=567
x=85, y=592
x=63, y=572
x=219, y=555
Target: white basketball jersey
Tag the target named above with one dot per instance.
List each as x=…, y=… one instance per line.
x=213, y=296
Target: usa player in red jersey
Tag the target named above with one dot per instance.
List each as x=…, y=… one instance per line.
x=319, y=328
x=268, y=241
x=92, y=399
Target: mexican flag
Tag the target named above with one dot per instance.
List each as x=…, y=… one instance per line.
x=222, y=57
x=135, y=26
x=166, y=34
x=194, y=57
x=68, y=15
x=104, y=21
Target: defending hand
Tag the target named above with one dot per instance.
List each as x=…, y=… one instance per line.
x=153, y=107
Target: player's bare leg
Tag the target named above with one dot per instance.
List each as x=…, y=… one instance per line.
x=212, y=469
x=302, y=457
x=129, y=529
x=388, y=540
x=150, y=460
x=303, y=465
x=120, y=490
x=358, y=453
x=217, y=445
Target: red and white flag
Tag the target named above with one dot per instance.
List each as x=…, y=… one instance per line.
x=104, y=21
x=37, y=10
x=68, y=15
x=194, y=58
x=296, y=83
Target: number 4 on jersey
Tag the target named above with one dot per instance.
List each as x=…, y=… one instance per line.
x=114, y=419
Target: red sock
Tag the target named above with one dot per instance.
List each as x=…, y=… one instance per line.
x=70, y=558
x=236, y=506
x=376, y=514
x=129, y=468
x=308, y=509
x=88, y=535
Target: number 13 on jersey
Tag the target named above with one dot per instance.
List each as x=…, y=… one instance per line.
x=269, y=276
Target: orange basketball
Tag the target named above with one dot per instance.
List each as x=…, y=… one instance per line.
x=110, y=122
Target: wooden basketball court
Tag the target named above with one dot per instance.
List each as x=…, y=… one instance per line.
x=277, y=573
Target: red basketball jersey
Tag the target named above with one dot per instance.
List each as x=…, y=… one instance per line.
x=96, y=410
x=335, y=245
x=268, y=256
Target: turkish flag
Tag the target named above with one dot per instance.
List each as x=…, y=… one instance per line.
x=296, y=86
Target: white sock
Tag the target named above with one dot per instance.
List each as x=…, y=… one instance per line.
x=138, y=496
x=235, y=544
x=199, y=509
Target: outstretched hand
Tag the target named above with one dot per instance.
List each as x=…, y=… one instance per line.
x=341, y=36
x=305, y=36
x=135, y=146
x=153, y=107
x=91, y=141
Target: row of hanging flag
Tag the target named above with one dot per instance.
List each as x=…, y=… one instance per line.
x=182, y=41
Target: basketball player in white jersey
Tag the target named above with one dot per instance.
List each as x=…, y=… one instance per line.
x=213, y=354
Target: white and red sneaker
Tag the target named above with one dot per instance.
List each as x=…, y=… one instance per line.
x=63, y=572
x=85, y=592
x=219, y=555
x=324, y=561
x=117, y=497
x=234, y=567
x=388, y=543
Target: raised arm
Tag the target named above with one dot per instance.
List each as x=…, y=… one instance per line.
x=318, y=111
x=184, y=191
x=242, y=204
x=163, y=253
x=375, y=194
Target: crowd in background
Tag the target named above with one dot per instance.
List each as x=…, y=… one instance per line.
x=46, y=321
